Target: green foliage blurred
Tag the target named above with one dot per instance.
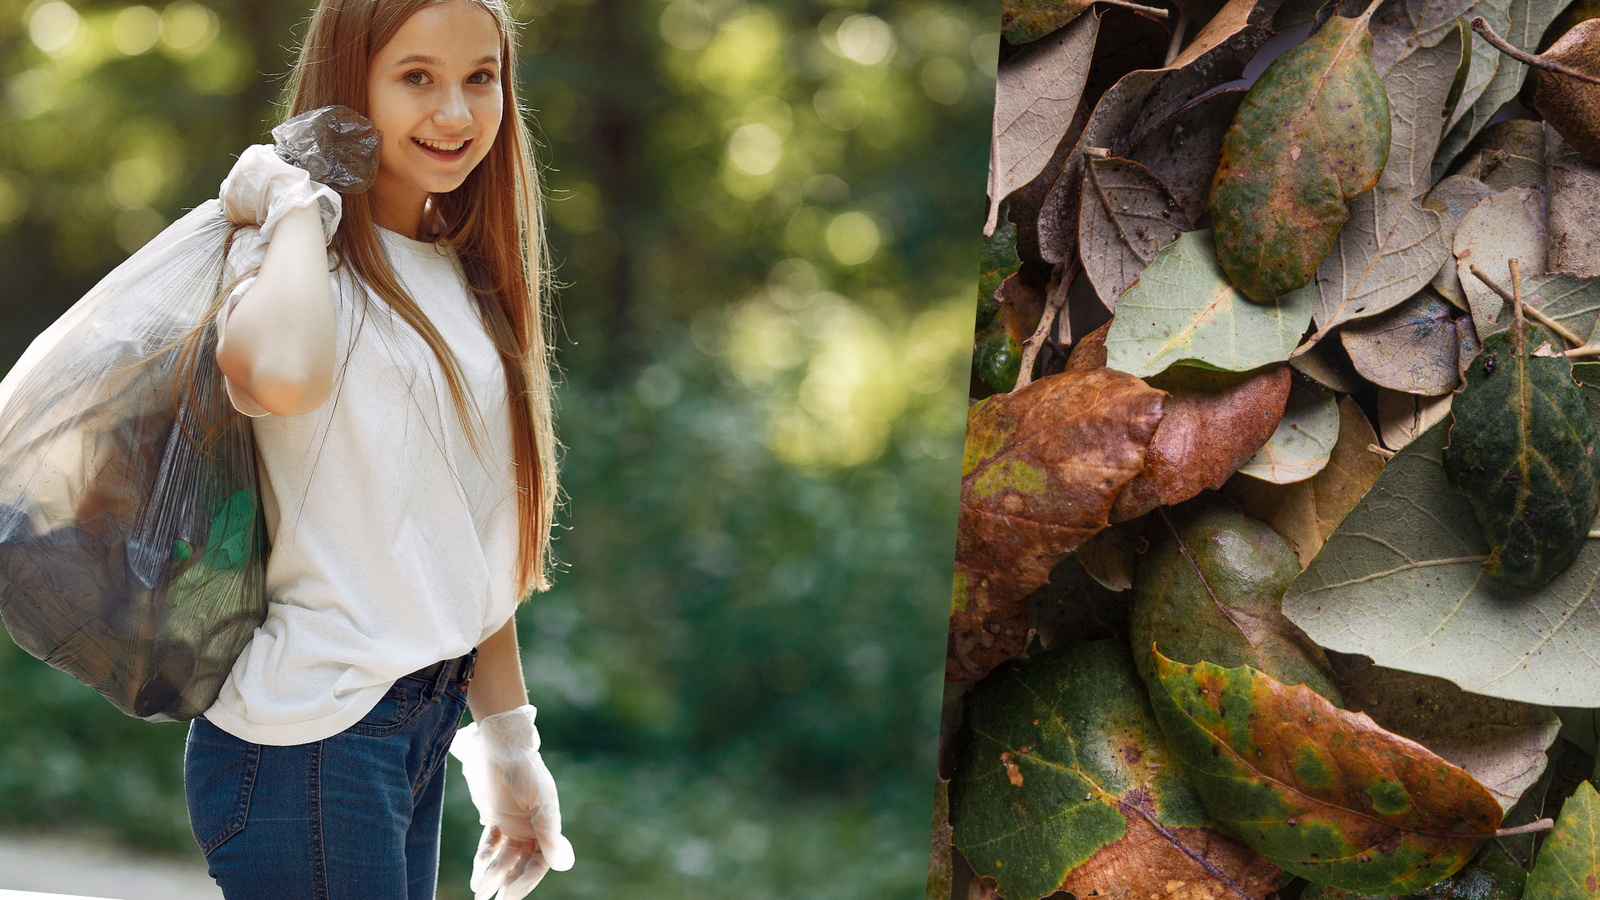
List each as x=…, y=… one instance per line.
x=764, y=216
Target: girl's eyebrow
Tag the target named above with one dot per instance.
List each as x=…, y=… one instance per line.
x=434, y=61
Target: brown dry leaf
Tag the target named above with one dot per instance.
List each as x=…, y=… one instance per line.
x=1573, y=218
x=1501, y=743
x=1452, y=198
x=1306, y=512
x=1572, y=106
x=1041, y=470
x=1411, y=348
x=1504, y=226
x=1141, y=100
x=1125, y=216
x=1148, y=864
x=1089, y=353
x=1508, y=154
x=1111, y=556
x=1402, y=417
x=1212, y=422
x=1035, y=97
x=1183, y=149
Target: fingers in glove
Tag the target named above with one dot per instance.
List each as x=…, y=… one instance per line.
x=522, y=879
x=489, y=846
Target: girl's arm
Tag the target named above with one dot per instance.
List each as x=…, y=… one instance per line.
x=497, y=684
x=278, y=345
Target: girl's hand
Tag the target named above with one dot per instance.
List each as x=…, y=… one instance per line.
x=262, y=188
x=516, y=799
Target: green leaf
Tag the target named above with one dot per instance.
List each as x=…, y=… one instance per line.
x=1183, y=309
x=1062, y=781
x=1312, y=134
x=1041, y=470
x=1526, y=21
x=1321, y=792
x=998, y=259
x=1569, y=862
x=1522, y=449
x=1412, y=348
x=1490, y=876
x=1211, y=588
x=1401, y=582
x=1303, y=441
x=1391, y=244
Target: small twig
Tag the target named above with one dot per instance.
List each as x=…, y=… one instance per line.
x=1517, y=321
x=1147, y=10
x=1562, y=331
x=1530, y=828
x=1580, y=352
x=1481, y=26
x=1178, y=28
x=1096, y=152
x=1384, y=452
x=1030, y=348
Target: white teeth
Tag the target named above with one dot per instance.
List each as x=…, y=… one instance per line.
x=441, y=146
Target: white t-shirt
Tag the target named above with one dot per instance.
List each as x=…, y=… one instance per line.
x=392, y=545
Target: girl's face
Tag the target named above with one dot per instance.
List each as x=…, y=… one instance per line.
x=435, y=92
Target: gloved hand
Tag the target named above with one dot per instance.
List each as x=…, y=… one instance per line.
x=262, y=188
x=516, y=800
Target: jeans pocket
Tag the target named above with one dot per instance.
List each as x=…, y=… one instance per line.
x=398, y=706
x=219, y=772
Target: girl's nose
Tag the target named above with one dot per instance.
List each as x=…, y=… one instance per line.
x=453, y=111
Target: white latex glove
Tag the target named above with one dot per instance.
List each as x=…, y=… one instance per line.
x=262, y=188
x=516, y=800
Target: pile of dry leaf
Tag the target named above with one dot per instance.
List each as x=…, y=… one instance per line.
x=1277, y=565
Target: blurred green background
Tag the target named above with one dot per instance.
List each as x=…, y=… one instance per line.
x=765, y=214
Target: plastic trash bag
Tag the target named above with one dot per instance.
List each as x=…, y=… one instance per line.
x=132, y=542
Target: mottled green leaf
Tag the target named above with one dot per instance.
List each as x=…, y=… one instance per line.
x=1041, y=470
x=1522, y=449
x=1490, y=876
x=1303, y=441
x=1391, y=244
x=1525, y=24
x=1321, y=792
x=1062, y=782
x=1184, y=309
x=1211, y=588
x=1402, y=582
x=1411, y=348
x=1312, y=134
x=1125, y=216
x=1499, y=742
x=1028, y=20
x=1569, y=861
x=1144, y=98
x=1452, y=198
x=1506, y=226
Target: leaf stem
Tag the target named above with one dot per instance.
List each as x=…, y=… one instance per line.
x=1178, y=28
x=1481, y=26
x=1530, y=828
x=1562, y=331
x=1580, y=352
x=1147, y=10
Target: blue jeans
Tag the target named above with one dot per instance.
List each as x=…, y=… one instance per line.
x=352, y=817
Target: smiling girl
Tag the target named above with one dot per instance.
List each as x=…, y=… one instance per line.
x=393, y=352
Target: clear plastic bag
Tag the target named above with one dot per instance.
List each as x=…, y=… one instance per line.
x=132, y=542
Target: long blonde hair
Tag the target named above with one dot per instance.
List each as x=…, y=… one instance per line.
x=494, y=222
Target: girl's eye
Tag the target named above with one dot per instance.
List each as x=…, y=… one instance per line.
x=484, y=77
x=416, y=78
